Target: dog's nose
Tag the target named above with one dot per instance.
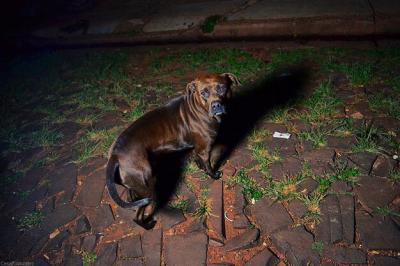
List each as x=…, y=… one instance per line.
x=217, y=108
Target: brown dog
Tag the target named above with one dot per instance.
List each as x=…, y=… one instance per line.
x=190, y=121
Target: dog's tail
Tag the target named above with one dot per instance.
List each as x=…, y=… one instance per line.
x=111, y=172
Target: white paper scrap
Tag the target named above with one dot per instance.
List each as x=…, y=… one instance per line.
x=280, y=135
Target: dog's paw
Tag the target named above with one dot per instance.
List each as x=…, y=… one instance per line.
x=149, y=223
x=217, y=175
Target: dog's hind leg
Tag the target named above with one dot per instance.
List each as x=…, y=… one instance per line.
x=137, y=177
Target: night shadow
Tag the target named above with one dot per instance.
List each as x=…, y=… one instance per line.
x=254, y=101
x=168, y=171
x=245, y=110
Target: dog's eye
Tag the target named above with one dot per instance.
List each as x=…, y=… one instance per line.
x=205, y=93
x=221, y=89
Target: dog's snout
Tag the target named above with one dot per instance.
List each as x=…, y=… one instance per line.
x=217, y=108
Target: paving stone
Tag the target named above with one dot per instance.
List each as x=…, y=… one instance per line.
x=285, y=147
x=69, y=130
x=107, y=255
x=228, y=169
x=373, y=192
x=242, y=158
x=63, y=179
x=57, y=242
x=330, y=229
x=276, y=170
x=29, y=243
x=319, y=160
x=197, y=225
x=382, y=166
x=347, y=207
x=73, y=260
x=272, y=127
x=340, y=187
x=387, y=123
x=259, y=177
x=297, y=207
x=188, y=249
x=100, y=217
x=296, y=245
x=337, y=220
x=216, y=219
x=241, y=222
x=82, y=225
x=171, y=217
x=265, y=257
x=341, y=143
x=131, y=262
x=307, y=185
x=244, y=240
x=299, y=125
x=40, y=261
x=268, y=223
x=346, y=255
x=185, y=193
x=377, y=232
x=89, y=242
x=93, y=165
x=9, y=235
x=108, y=120
x=240, y=201
x=62, y=215
x=215, y=243
x=130, y=247
x=363, y=160
x=386, y=261
x=92, y=189
x=151, y=246
x=360, y=110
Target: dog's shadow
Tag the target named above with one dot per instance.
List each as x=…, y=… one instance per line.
x=246, y=108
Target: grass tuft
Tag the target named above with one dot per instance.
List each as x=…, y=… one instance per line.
x=210, y=22
x=205, y=206
x=366, y=136
x=30, y=220
x=250, y=187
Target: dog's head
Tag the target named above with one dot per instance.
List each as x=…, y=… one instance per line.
x=212, y=91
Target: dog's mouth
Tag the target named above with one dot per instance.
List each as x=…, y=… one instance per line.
x=218, y=116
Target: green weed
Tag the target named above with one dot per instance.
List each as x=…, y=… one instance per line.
x=360, y=74
x=45, y=138
x=88, y=258
x=386, y=103
x=96, y=142
x=322, y=105
x=249, y=186
x=312, y=202
x=263, y=157
x=284, y=58
x=134, y=114
x=30, y=220
x=394, y=175
x=318, y=247
x=180, y=204
x=366, y=137
x=205, y=206
x=316, y=135
x=385, y=211
x=209, y=23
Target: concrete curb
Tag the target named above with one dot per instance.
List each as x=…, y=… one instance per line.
x=316, y=28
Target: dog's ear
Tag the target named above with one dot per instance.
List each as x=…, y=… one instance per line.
x=233, y=79
x=190, y=87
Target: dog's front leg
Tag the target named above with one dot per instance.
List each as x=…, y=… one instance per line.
x=203, y=161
